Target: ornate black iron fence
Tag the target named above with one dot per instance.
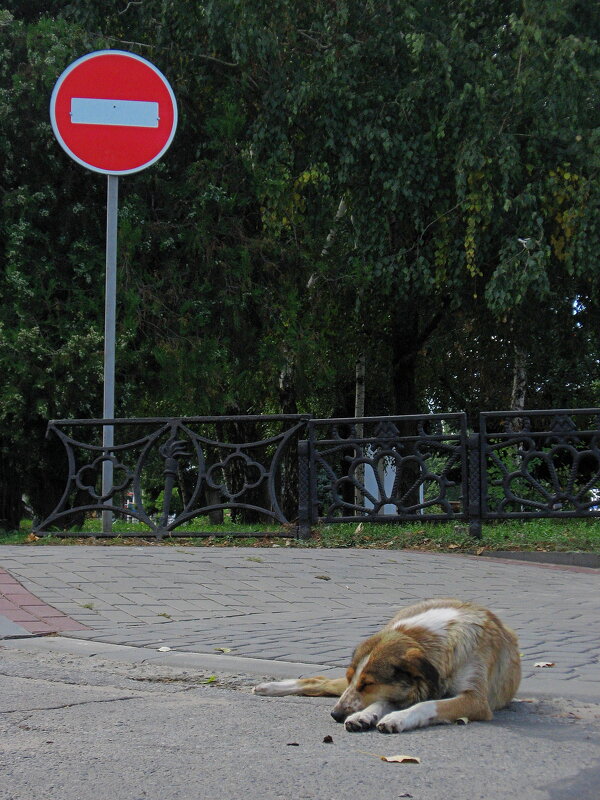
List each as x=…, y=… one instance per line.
x=388, y=468
x=295, y=471
x=540, y=464
x=167, y=472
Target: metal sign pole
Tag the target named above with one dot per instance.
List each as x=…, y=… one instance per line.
x=115, y=113
x=110, y=313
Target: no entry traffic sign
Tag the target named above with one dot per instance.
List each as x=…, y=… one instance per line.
x=113, y=112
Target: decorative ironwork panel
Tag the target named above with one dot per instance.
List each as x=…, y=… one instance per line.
x=540, y=463
x=389, y=468
x=168, y=471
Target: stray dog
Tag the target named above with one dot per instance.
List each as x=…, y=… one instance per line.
x=434, y=662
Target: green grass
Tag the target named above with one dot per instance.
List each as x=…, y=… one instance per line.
x=541, y=534
x=551, y=535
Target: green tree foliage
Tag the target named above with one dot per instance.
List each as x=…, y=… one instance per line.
x=50, y=332
x=416, y=182
x=464, y=140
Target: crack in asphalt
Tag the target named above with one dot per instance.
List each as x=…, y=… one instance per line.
x=70, y=705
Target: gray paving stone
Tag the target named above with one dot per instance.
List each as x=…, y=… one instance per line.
x=10, y=629
x=277, y=608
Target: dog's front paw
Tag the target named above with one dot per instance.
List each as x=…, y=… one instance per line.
x=361, y=721
x=417, y=716
x=396, y=722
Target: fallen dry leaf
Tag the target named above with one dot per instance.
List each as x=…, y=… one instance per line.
x=402, y=759
x=453, y=546
x=396, y=759
x=544, y=664
x=223, y=649
x=323, y=577
x=32, y=538
x=359, y=528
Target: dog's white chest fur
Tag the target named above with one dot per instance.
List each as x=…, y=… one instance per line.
x=434, y=619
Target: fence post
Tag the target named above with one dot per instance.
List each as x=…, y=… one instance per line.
x=304, y=493
x=474, y=499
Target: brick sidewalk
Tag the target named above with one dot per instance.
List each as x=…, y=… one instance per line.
x=298, y=604
x=18, y=605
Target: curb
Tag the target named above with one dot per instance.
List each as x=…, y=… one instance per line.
x=569, y=559
x=536, y=686
x=146, y=655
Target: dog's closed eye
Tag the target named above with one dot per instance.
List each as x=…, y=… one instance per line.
x=365, y=683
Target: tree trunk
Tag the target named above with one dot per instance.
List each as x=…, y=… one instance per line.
x=342, y=208
x=287, y=388
x=408, y=339
x=11, y=503
x=288, y=477
x=359, y=411
x=359, y=396
x=519, y=387
x=405, y=345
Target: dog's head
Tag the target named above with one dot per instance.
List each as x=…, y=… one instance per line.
x=389, y=667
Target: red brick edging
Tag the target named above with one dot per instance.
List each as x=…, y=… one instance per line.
x=23, y=608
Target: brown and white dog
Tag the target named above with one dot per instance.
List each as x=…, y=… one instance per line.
x=434, y=662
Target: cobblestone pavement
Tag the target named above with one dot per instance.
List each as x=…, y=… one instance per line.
x=305, y=605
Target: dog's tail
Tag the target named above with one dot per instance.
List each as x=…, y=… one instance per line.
x=308, y=687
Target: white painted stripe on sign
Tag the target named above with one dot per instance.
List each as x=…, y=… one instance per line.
x=130, y=113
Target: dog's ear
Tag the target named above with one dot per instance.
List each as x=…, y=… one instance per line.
x=420, y=667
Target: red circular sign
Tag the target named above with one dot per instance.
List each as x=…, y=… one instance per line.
x=113, y=112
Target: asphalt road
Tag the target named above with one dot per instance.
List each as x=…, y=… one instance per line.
x=99, y=711
x=81, y=727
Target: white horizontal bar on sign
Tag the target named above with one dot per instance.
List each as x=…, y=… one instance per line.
x=130, y=113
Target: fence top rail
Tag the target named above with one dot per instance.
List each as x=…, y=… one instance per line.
x=184, y=420
x=540, y=423
x=391, y=418
x=540, y=412
x=513, y=437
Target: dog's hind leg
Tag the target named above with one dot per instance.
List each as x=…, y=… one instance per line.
x=308, y=687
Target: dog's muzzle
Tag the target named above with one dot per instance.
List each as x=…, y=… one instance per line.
x=348, y=703
x=339, y=716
